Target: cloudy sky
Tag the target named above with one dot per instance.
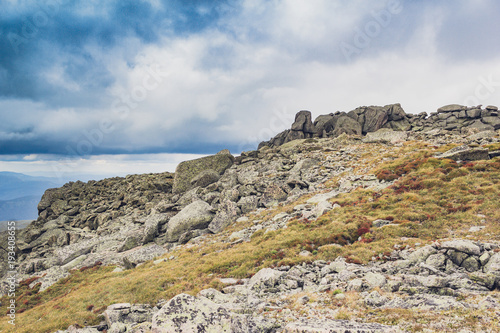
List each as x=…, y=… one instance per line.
x=117, y=87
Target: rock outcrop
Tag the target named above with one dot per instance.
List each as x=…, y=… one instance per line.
x=191, y=173
x=367, y=119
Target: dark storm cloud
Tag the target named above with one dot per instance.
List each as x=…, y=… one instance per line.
x=36, y=36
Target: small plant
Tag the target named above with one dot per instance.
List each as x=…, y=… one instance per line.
x=336, y=292
x=278, y=255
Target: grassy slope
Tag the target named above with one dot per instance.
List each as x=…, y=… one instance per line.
x=431, y=199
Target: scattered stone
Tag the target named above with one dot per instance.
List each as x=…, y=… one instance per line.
x=305, y=253
x=303, y=300
x=380, y=223
x=336, y=326
x=127, y=221
x=374, y=299
x=264, y=279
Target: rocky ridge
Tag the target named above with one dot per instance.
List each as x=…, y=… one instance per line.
x=128, y=221
x=365, y=119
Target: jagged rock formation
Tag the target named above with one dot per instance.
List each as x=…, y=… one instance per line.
x=366, y=119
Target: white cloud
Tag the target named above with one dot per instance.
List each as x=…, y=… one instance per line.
x=96, y=167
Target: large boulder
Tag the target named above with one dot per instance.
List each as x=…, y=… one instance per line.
x=493, y=265
x=323, y=124
x=264, y=279
x=397, y=118
x=303, y=123
x=371, y=118
x=492, y=121
x=248, y=204
x=451, y=108
x=196, y=215
x=128, y=313
x=465, y=153
x=273, y=194
x=462, y=245
x=277, y=141
x=186, y=171
x=50, y=195
x=188, y=314
x=152, y=226
x=347, y=125
x=479, y=126
x=395, y=112
x=385, y=135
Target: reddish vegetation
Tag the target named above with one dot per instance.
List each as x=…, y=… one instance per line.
x=364, y=228
x=390, y=175
x=27, y=282
x=443, y=166
x=350, y=260
x=412, y=184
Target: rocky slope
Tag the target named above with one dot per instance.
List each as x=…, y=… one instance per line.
x=128, y=222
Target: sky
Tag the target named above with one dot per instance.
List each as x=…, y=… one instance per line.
x=119, y=87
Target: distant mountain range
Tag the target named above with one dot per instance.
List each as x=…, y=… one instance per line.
x=20, y=194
